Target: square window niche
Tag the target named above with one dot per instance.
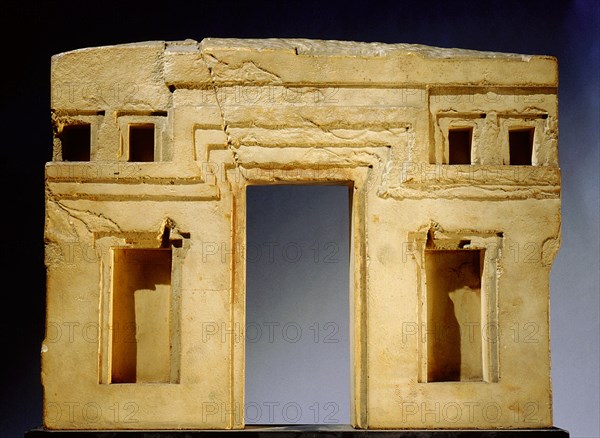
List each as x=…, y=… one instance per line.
x=144, y=137
x=76, y=143
x=459, y=145
x=141, y=142
x=456, y=138
x=520, y=145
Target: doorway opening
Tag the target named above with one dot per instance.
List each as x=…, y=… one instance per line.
x=297, y=337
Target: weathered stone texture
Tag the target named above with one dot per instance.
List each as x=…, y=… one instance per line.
x=450, y=256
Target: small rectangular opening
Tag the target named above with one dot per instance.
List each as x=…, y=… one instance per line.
x=459, y=146
x=454, y=309
x=141, y=142
x=75, y=142
x=520, y=143
x=141, y=315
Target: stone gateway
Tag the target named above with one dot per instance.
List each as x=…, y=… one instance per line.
x=450, y=158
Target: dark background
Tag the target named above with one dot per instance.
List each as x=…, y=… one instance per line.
x=569, y=30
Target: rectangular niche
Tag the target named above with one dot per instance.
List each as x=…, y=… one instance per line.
x=456, y=138
x=454, y=315
x=144, y=137
x=76, y=142
x=141, y=142
x=520, y=145
x=459, y=145
x=141, y=303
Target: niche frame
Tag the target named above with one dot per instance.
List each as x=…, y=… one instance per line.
x=169, y=238
x=522, y=122
x=63, y=119
x=142, y=277
x=489, y=243
x=162, y=147
x=446, y=122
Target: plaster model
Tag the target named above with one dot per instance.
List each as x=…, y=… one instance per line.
x=451, y=160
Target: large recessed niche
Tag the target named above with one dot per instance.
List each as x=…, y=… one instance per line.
x=141, y=316
x=454, y=337
x=458, y=305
